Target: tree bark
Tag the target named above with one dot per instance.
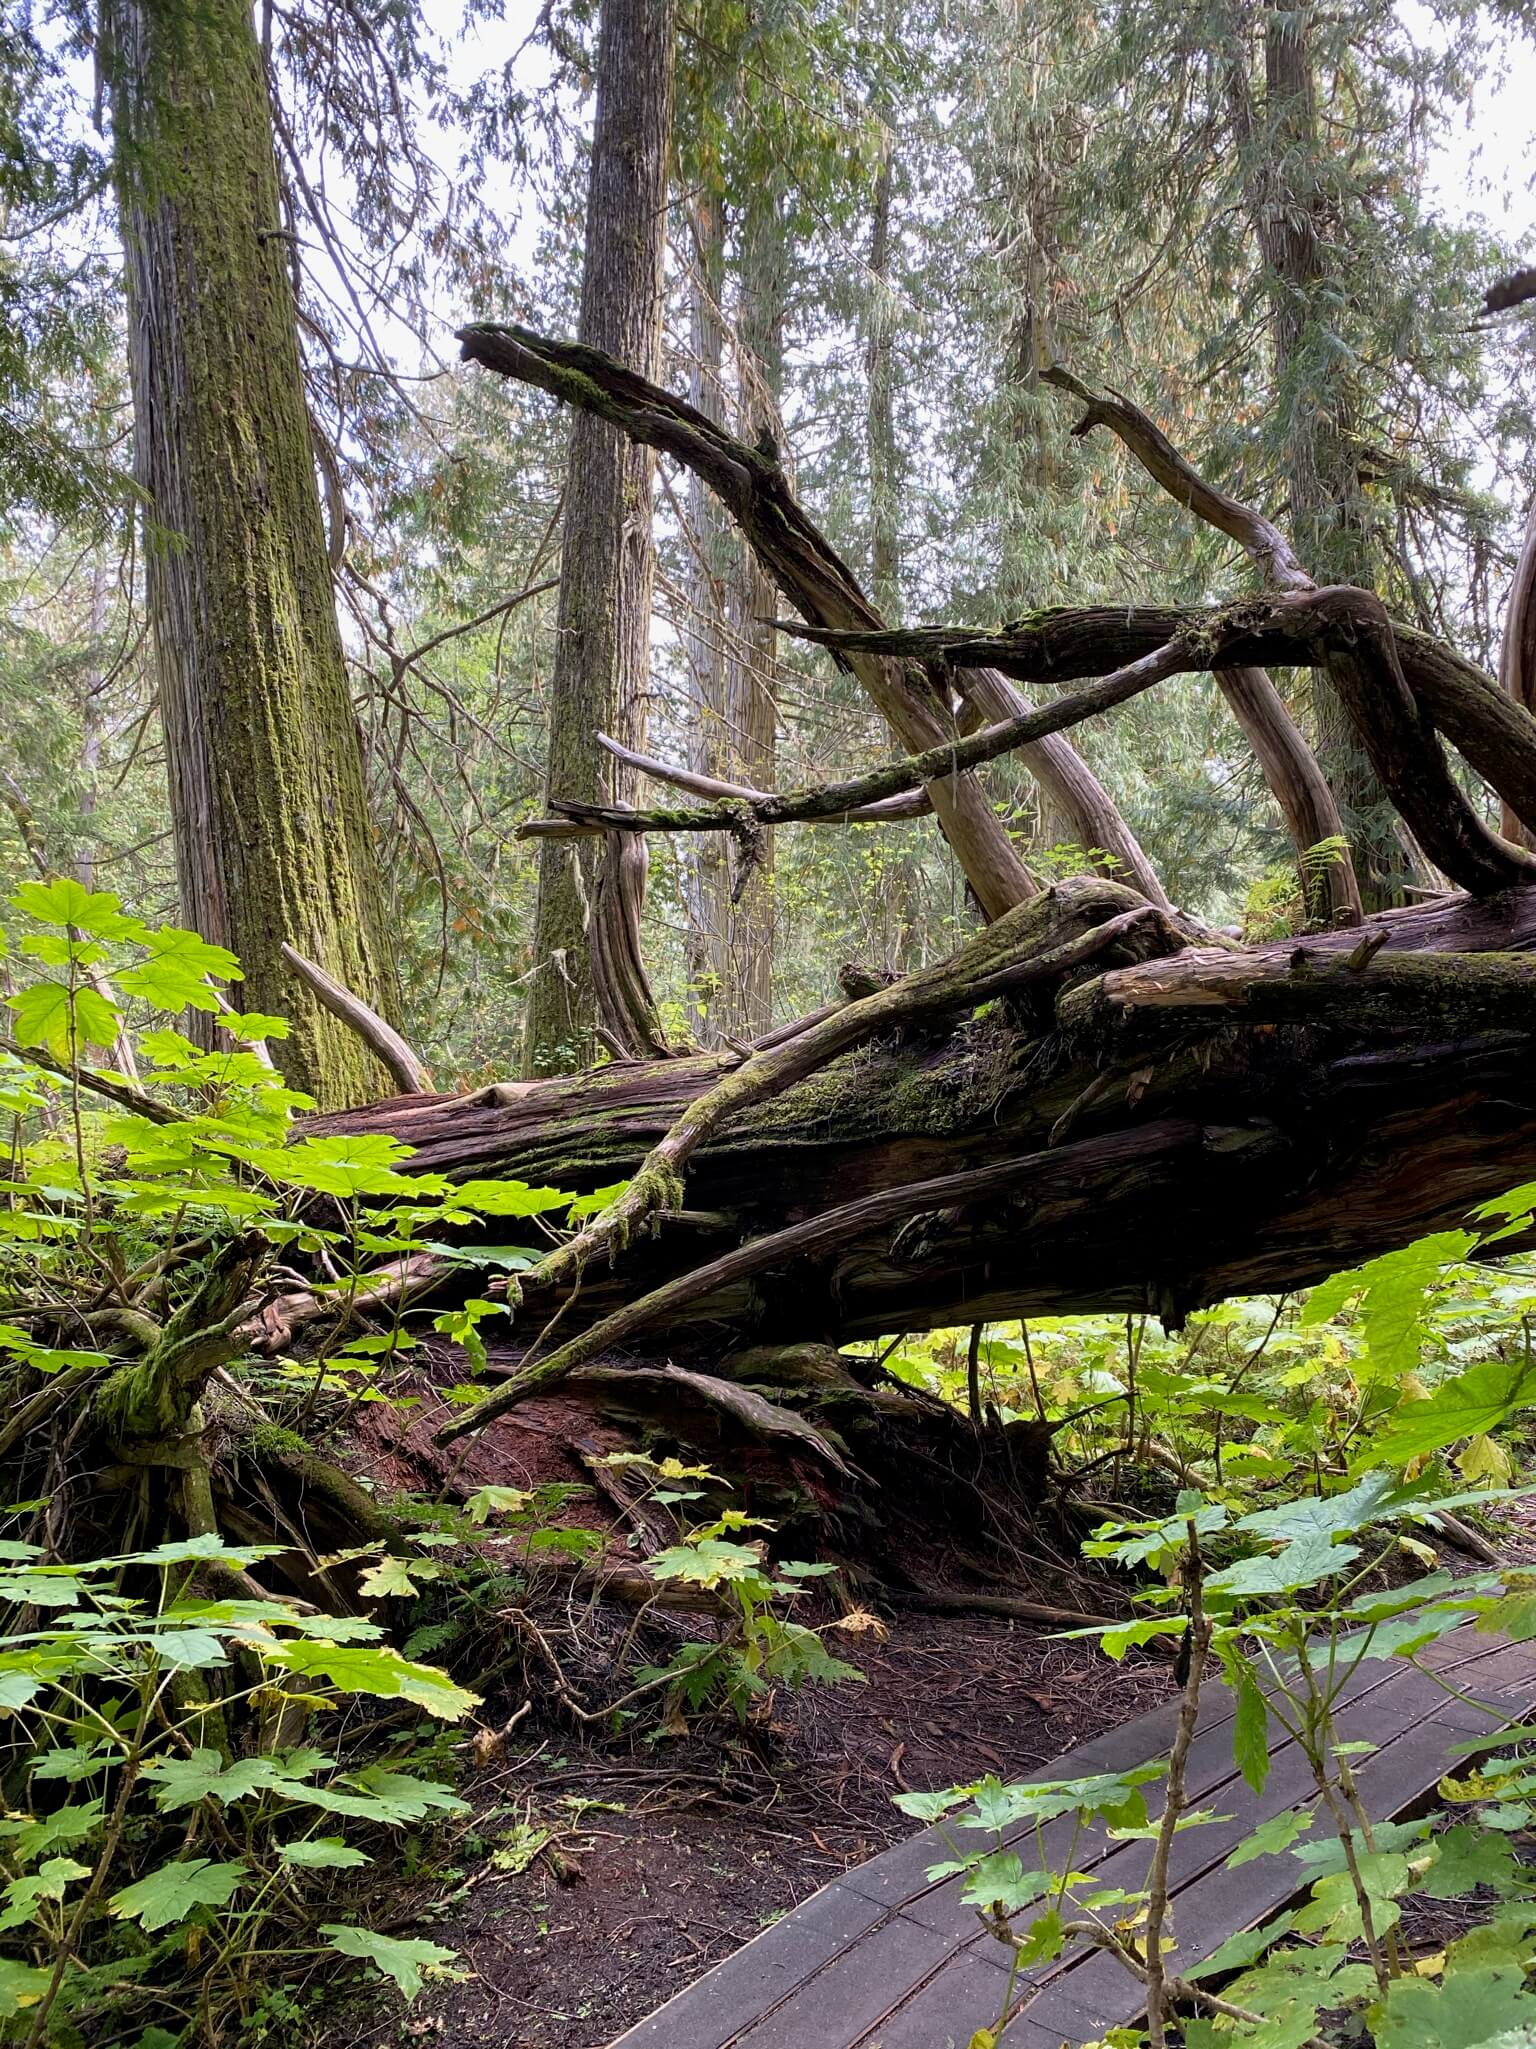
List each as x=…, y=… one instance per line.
x=1328, y=888
x=762, y=290
x=603, y=615
x=272, y=835
x=1284, y=174
x=707, y=868
x=1517, y=656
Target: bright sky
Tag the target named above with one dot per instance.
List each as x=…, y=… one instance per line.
x=1481, y=167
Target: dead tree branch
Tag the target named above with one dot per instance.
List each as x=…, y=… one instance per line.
x=1258, y=536
x=404, y=1067
x=754, y=490
x=840, y=800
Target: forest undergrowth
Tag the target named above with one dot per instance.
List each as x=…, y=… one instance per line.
x=271, y=1712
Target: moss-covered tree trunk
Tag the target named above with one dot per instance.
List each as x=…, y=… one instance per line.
x=603, y=619
x=272, y=835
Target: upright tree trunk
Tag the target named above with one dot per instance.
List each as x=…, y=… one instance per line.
x=763, y=282
x=1322, y=487
x=707, y=870
x=273, y=840
x=603, y=618
x=882, y=455
x=730, y=647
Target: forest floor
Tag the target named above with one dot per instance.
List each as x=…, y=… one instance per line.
x=668, y=1861
x=664, y=1852
x=668, y=1851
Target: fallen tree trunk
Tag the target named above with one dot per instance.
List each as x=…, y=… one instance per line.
x=1161, y=1128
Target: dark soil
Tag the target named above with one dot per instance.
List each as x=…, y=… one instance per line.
x=668, y=1860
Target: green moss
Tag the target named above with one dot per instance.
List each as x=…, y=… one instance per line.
x=271, y=1440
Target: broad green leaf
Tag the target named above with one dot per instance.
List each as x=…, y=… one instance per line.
x=51, y=1880
x=1400, y=1636
x=1325, y=1853
x=375, y=1669
x=1472, y=1404
x=321, y=1853
x=1000, y=1880
x=1302, y=1563
x=183, y=1781
x=1396, y=1289
x=1378, y=1496
x=506, y=1198
x=188, y=1550
x=930, y=1806
x=1271, y=1837
x=48, y=1014
x=395, y=1578
x=1482, y=1459
x=61, y=900
x=21, y=1985
x=170, y=1894
x=1044, y=1939
x=361, y=1163
x=375, y=1794
x=1334, y=1907
x=1467, y=1857
x=1240, y=1949
x=1250, y=1732
x=401, y=1958
x=30, y=1835
x=488, y=1501
x=177, y=969
x=1465, y=2011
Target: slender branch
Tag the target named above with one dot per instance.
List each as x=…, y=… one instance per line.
x=1496, y=735
x=120, y=1092
x=908, y=804
x=1260, y=537
x=403, y=1065
x=1348, y=632
x=752, y=486
x=839, y=800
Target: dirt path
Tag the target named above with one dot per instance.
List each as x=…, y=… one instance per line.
x=676, y=1856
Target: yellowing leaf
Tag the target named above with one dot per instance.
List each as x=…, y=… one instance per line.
x=1481, y=1458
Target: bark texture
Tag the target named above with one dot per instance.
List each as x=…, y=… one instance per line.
x=272, y=834
x=1141, y=1124
x=604, y=611
x=1288, y=204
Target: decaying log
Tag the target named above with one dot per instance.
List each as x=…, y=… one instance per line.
x=1086, y=1144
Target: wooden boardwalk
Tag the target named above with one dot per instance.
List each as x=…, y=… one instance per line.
x=882, y=1959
